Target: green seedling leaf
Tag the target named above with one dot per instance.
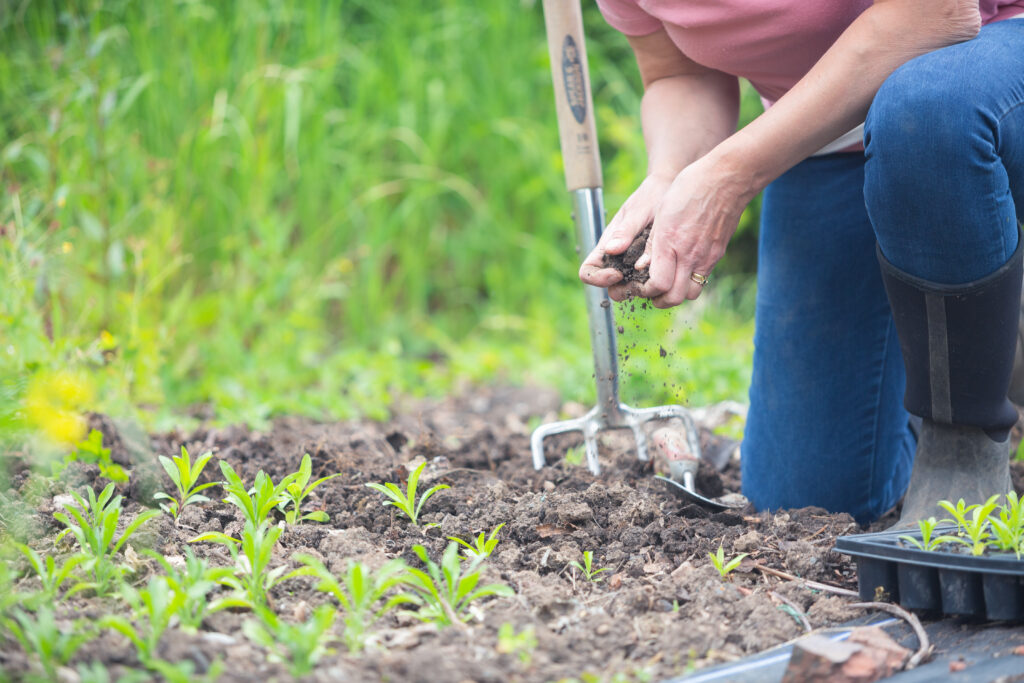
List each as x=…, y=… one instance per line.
x=587, y=568
x=406, y=501
x=184, y=475
x=297, y=490
x=725, y=568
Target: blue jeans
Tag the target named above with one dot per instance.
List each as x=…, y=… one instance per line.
x=940, y=187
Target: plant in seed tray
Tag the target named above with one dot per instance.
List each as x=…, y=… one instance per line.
x=587, y=568
x=927, y=542
x=406, y=502
x=1008, y=527
x=358, y=592
x=443, y=592
x=482, y=549
x=725, y=568
x=252, y=579
x=40, y=636
x=299, y=645
x=974, y=529
x=94, y=525
x=297, y=490
x=185, y=475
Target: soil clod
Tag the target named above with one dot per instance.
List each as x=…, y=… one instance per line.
x=625, y=262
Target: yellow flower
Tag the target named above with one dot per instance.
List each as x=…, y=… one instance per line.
x=54, y=403
x=66, y=247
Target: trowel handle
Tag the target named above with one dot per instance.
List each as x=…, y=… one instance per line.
x=684, y=470
x=576, y=131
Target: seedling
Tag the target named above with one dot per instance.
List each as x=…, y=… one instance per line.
x=195, y=581
x=482, y=549
x=299, y=645
x=297, y=490
x=958, y=512
x=974, y=528
x=927, y=542
x=587, y=568
x=1008, y=527
x=185, y=475
x=725, y=568
x=41, y=636
x=357, y=593
x=444, y=592
x=153, y=608
x=251, y=580
x=53, y=576
x=255, y=503
x=91, y=450
x=521, y=644
x=406, y=502
x=574, y=456
x=94, y=527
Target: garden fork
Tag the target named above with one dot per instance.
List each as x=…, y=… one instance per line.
x=578, y=135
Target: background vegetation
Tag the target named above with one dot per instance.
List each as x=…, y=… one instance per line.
x=304, y=206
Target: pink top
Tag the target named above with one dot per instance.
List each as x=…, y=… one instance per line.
x=771, y=43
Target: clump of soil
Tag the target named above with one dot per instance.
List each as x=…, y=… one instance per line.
x=660, y=610
x=625, y=262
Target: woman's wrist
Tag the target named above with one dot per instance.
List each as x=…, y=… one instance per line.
x=729, y=167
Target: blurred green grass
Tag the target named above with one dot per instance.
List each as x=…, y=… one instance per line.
x=314, y=207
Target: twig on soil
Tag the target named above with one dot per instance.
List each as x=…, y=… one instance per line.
x=797, y=612
x=810, y=584
x=925, y=647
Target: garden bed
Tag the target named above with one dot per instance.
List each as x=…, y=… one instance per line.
x=659, y=611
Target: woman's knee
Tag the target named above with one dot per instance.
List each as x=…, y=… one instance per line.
x=923, y=111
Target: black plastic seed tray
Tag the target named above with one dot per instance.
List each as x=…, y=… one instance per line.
x=946, y=580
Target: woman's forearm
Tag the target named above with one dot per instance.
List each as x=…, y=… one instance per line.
x=685, y=117
x=835, y=95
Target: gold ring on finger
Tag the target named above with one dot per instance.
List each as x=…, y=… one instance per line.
x=699, y=278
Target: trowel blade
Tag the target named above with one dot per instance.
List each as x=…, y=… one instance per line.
x=694, y=497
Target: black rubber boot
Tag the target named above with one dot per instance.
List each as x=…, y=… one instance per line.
x=958, y=344
x=1016, y=393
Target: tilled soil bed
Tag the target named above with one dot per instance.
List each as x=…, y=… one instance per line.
x=660, y=611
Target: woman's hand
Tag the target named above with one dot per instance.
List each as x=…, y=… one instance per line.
x=692, y=228
x=636, y=213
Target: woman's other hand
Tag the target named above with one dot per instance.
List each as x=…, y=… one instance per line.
x=692, y=227
x=636, y=213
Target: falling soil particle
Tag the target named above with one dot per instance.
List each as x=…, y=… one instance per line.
x=625, y=262
x=662, y=352
x=621, y=329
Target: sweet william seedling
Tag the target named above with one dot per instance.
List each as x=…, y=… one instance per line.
x=406, y=502
x=589, y=571
x=300, y=646
x=482, y=549
x=258, y=502
x=185, y=475
x=358, y=593
x=296, y=491
x=725, y=568
x=94, y=525
x=443, y=591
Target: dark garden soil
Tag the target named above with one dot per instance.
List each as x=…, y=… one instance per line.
x=625, y=262
x=661, y=610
